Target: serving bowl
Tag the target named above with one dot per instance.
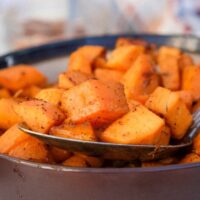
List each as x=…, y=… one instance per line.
x=27, y=180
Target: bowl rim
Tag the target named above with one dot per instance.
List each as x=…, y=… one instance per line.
x=16, y=57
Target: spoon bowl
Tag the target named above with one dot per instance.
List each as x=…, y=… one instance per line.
x=120, y=151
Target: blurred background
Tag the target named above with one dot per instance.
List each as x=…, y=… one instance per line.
x=25, y=23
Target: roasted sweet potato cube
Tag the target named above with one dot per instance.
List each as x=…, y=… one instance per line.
x=185, y=61
x=108, y=74
x=51, y=95
x=190, y=158
x=30, y=149
x=83, y=59
x=123, y=57
x=196, y=106
x=59, y=155
x=39, y=115
x=8, y=116
x=21, y=76
x=72, y=78
x=80, y=131
x=190, y=80
x=4, y=93
x=30, y=91
x=168, y=104
x=140, y=80
x=165, y=136
x=80, y=160
x=11, y=138
x=99, y=62
x=186, y=97
x=95, y=101
x=139, y=126
x=168, y=63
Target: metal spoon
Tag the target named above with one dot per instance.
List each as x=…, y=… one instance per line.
x=120, y=151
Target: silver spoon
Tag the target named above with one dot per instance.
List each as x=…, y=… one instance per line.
x=120, y=151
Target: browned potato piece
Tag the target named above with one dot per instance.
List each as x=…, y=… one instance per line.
x=72, y=78
x=168, y=104
x=80, y=160
x=168, y=61
x=39, y=115
x=84, y=57
x=139, y=126
x=21, y=76
x=190, y=158
x=94, y=101
x=51, y=95
x=185, y=61
x=8, y=117
x=11, y=138
x=140, y=80
x=108, y=74
x=4, y=93
x=165, y=136
x=123, y=57
x=196, y=106
x=59, y=155
x=80, y=131
x=30, y=149
x=30, y=91
x=190, y=81
x=186, y=97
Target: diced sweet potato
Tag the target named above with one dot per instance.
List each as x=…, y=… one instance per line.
x=190, y=81
x=59, y=155
x=21, y=76
x=108, y=74
x=123, y=57
x=168, y=104
x=72, y=78
x=30, y=149
x=11, y=138
x=51, y=95
x=190, y=158
x=99, y=63
x=186, y=97
x=80, y=131
x=80, y=160
x=168, y=62
x=84, y=57
x=94, y=101
x=4, y=93
x=8, y=117
x=185, y=61
x=39, y=115
x=30, y=91
x=196, y=106
x=140, y=80
x=165, y=136
x=139, y=126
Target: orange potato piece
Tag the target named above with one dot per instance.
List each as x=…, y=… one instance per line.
x=80, y=131
x=84, y=57
x=108, y=74
x=39, y=115
x=59, y=155
x=72, y=78
x=139, y=126
x=11, y=138
x=30, y=149
x=168, y=61
x=80, y=160
x=185, y=61
x=51, y=95
x=165, y=136
x=8, y=117
x=4, y=93
x=99, y=63
x=186, y=97
x=21, y=76
x=140, y=80
x=31, y=91
x=123, y=57
x=190, y=81
x=94, y=101
x=168, y=104
x=196, y=106
x=190, y=158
